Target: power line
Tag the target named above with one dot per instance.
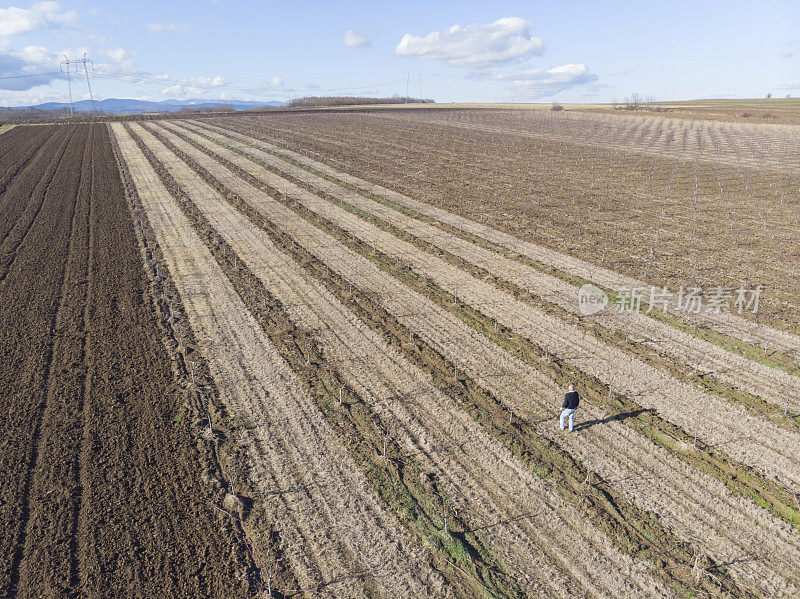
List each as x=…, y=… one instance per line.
x=33, y=75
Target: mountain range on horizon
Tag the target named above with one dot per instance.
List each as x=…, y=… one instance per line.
x=129, y=105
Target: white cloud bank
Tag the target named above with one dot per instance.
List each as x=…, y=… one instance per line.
x=475, y=46
x=541, y=84
x=274, y=82
x=356, y=39
x=193, y=87
x=15, y=21
x=154, y=28
x=27, y=68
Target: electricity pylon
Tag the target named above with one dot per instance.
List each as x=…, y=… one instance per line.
x=66, y=63
x=84, y=61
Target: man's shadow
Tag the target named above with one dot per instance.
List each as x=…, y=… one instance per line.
x=579, y=426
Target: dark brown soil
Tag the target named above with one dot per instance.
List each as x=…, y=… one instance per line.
x=102, y=494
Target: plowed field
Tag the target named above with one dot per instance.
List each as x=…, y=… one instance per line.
x=306, y=354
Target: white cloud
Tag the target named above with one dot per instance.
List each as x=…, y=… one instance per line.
x=541, y=84
x=14, y=20
x=356, y=39
x=274, y=82
x=475, y=46
x=27, y=68
x=193, y=87
x=153, y=28
x=787, y=54
x=120, y=65
x=117, y=54
x=38, y=55
x=26, y=98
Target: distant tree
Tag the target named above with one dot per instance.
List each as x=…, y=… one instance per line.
x=556, y=107
x=351, y=101
x=634, y=101
x=769, y=96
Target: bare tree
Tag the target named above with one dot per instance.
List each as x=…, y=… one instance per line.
x=634, y=101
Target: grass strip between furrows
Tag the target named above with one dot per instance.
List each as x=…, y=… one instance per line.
x=401, y=483
x=704, y=380
x=769, y=357
x=739, y=478
x=635, y=531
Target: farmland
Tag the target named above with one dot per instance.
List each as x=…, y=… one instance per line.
x=323, y=354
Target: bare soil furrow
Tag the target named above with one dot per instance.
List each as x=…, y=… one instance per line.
x=38, y=359
x=762, y=445
x=673, y=488
x=42, y=173
x=336, y=511
x=729, y=324
x=482, y=477
x=774, y=385
x=23, y=147
x=49, y=529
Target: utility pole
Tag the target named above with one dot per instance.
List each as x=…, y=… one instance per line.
x=408, y=78
x=63, y=63
x=420, y=85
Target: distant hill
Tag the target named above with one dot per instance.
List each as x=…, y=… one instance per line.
x=116, y=105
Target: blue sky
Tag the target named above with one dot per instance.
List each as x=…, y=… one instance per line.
x=459, y=51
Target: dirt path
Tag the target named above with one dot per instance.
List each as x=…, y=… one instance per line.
x=729, y=324
x=771, y=384
x=482, y=477
x=760, y=444
x=333, y=527
x=695, y=505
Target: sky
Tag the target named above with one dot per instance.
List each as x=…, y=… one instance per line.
x=448, y=51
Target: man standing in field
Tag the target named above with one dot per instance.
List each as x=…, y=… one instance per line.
x=571, y=401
